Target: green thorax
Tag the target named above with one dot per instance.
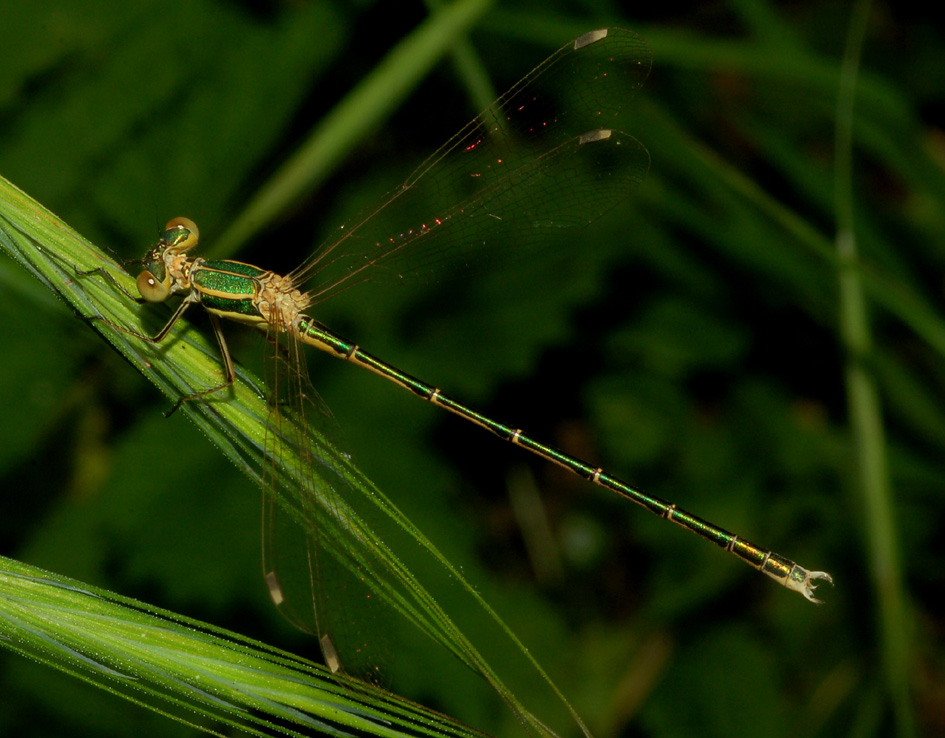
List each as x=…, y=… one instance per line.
x=229, y=289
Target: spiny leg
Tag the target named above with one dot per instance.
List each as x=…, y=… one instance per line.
x=228, y=371
x=111, y=280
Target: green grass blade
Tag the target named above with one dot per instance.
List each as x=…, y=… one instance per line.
x=866, y=419
x=202, y=676
x=368, y=104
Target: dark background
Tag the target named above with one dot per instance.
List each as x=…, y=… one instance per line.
x=689, y=342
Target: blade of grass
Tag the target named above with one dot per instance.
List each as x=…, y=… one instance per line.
x=910, y=307
x=194, y=673
x=866, y=421
x=366, y=105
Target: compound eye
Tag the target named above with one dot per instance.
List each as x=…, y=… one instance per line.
x=181, y=233
x=150, y=288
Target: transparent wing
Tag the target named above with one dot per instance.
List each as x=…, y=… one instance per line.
x=317, y=554
x=548, y=154
x=365, y=565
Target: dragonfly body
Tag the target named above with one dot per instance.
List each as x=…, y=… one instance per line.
x=271, y=302
x=546, y=156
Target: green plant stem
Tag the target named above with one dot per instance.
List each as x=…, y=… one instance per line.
x=866, y=421
x=366, y=106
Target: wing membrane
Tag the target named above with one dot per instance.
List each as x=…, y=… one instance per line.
x=534, y=160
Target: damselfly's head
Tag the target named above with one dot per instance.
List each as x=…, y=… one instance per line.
x=155, y=281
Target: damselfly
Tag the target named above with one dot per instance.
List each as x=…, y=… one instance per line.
x=545, y=155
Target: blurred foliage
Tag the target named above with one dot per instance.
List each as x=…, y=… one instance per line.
x=688, y=342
